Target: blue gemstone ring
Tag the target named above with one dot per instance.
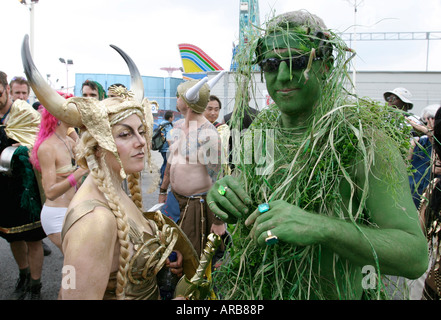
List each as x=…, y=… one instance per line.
x=271, y=239
x=264, y=207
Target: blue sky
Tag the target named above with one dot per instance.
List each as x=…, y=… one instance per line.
x=150, y=31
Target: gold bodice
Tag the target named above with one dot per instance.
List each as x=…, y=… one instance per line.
x=148, y=254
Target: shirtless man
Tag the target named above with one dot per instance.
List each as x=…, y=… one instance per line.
x=193, y=165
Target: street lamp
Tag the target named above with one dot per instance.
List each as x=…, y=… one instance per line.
x=31, y=11
x=31, y=33
x=66, y=63
x=170, y=70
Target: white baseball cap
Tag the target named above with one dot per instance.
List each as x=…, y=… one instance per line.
x=401, y=93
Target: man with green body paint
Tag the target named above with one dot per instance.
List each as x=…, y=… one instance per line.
x=377, y=228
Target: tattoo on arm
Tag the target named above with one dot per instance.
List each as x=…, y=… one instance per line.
x=166, y=179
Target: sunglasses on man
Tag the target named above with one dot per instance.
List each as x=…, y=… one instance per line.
x=295, y=63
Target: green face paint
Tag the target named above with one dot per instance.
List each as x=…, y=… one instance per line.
x=294, y=91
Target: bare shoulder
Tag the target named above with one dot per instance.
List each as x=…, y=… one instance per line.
x=47, y=145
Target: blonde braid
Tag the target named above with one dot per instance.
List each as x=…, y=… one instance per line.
x=134, y=184
x=104, y=182
x=86, y=150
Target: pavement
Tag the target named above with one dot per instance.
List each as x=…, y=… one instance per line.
x=53, y=263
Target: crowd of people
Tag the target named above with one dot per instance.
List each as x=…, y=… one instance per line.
x=342, y=188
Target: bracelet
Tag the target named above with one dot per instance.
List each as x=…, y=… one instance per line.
x=73, y=182
x=162, y=190
x=163, y=193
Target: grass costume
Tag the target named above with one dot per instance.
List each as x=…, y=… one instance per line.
x=334, y=179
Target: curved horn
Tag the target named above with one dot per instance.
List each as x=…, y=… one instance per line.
x=213, y=81
x=192, y=94
x=137, y=86
x=48, y=97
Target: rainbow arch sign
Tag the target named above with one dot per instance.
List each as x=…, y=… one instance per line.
x=195, y=60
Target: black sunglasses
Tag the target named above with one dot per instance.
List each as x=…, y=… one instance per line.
x=296, y=63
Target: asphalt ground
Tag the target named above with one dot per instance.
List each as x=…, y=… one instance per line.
x=53, y=263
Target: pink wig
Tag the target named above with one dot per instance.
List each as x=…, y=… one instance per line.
x=48, y=125
x=65, y=95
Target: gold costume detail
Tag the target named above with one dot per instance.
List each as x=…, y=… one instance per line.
x=150, y=251
x=23, y=123
x=121, y=92
x=23, y=228
x=199, y=286
x=95, y=117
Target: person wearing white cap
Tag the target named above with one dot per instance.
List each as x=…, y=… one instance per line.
x=399, y=98
x=194, y=163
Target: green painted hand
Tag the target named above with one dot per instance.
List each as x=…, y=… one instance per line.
x=289, y=224
x=233, y=204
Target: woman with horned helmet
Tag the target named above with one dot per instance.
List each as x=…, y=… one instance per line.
x=111, y=249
